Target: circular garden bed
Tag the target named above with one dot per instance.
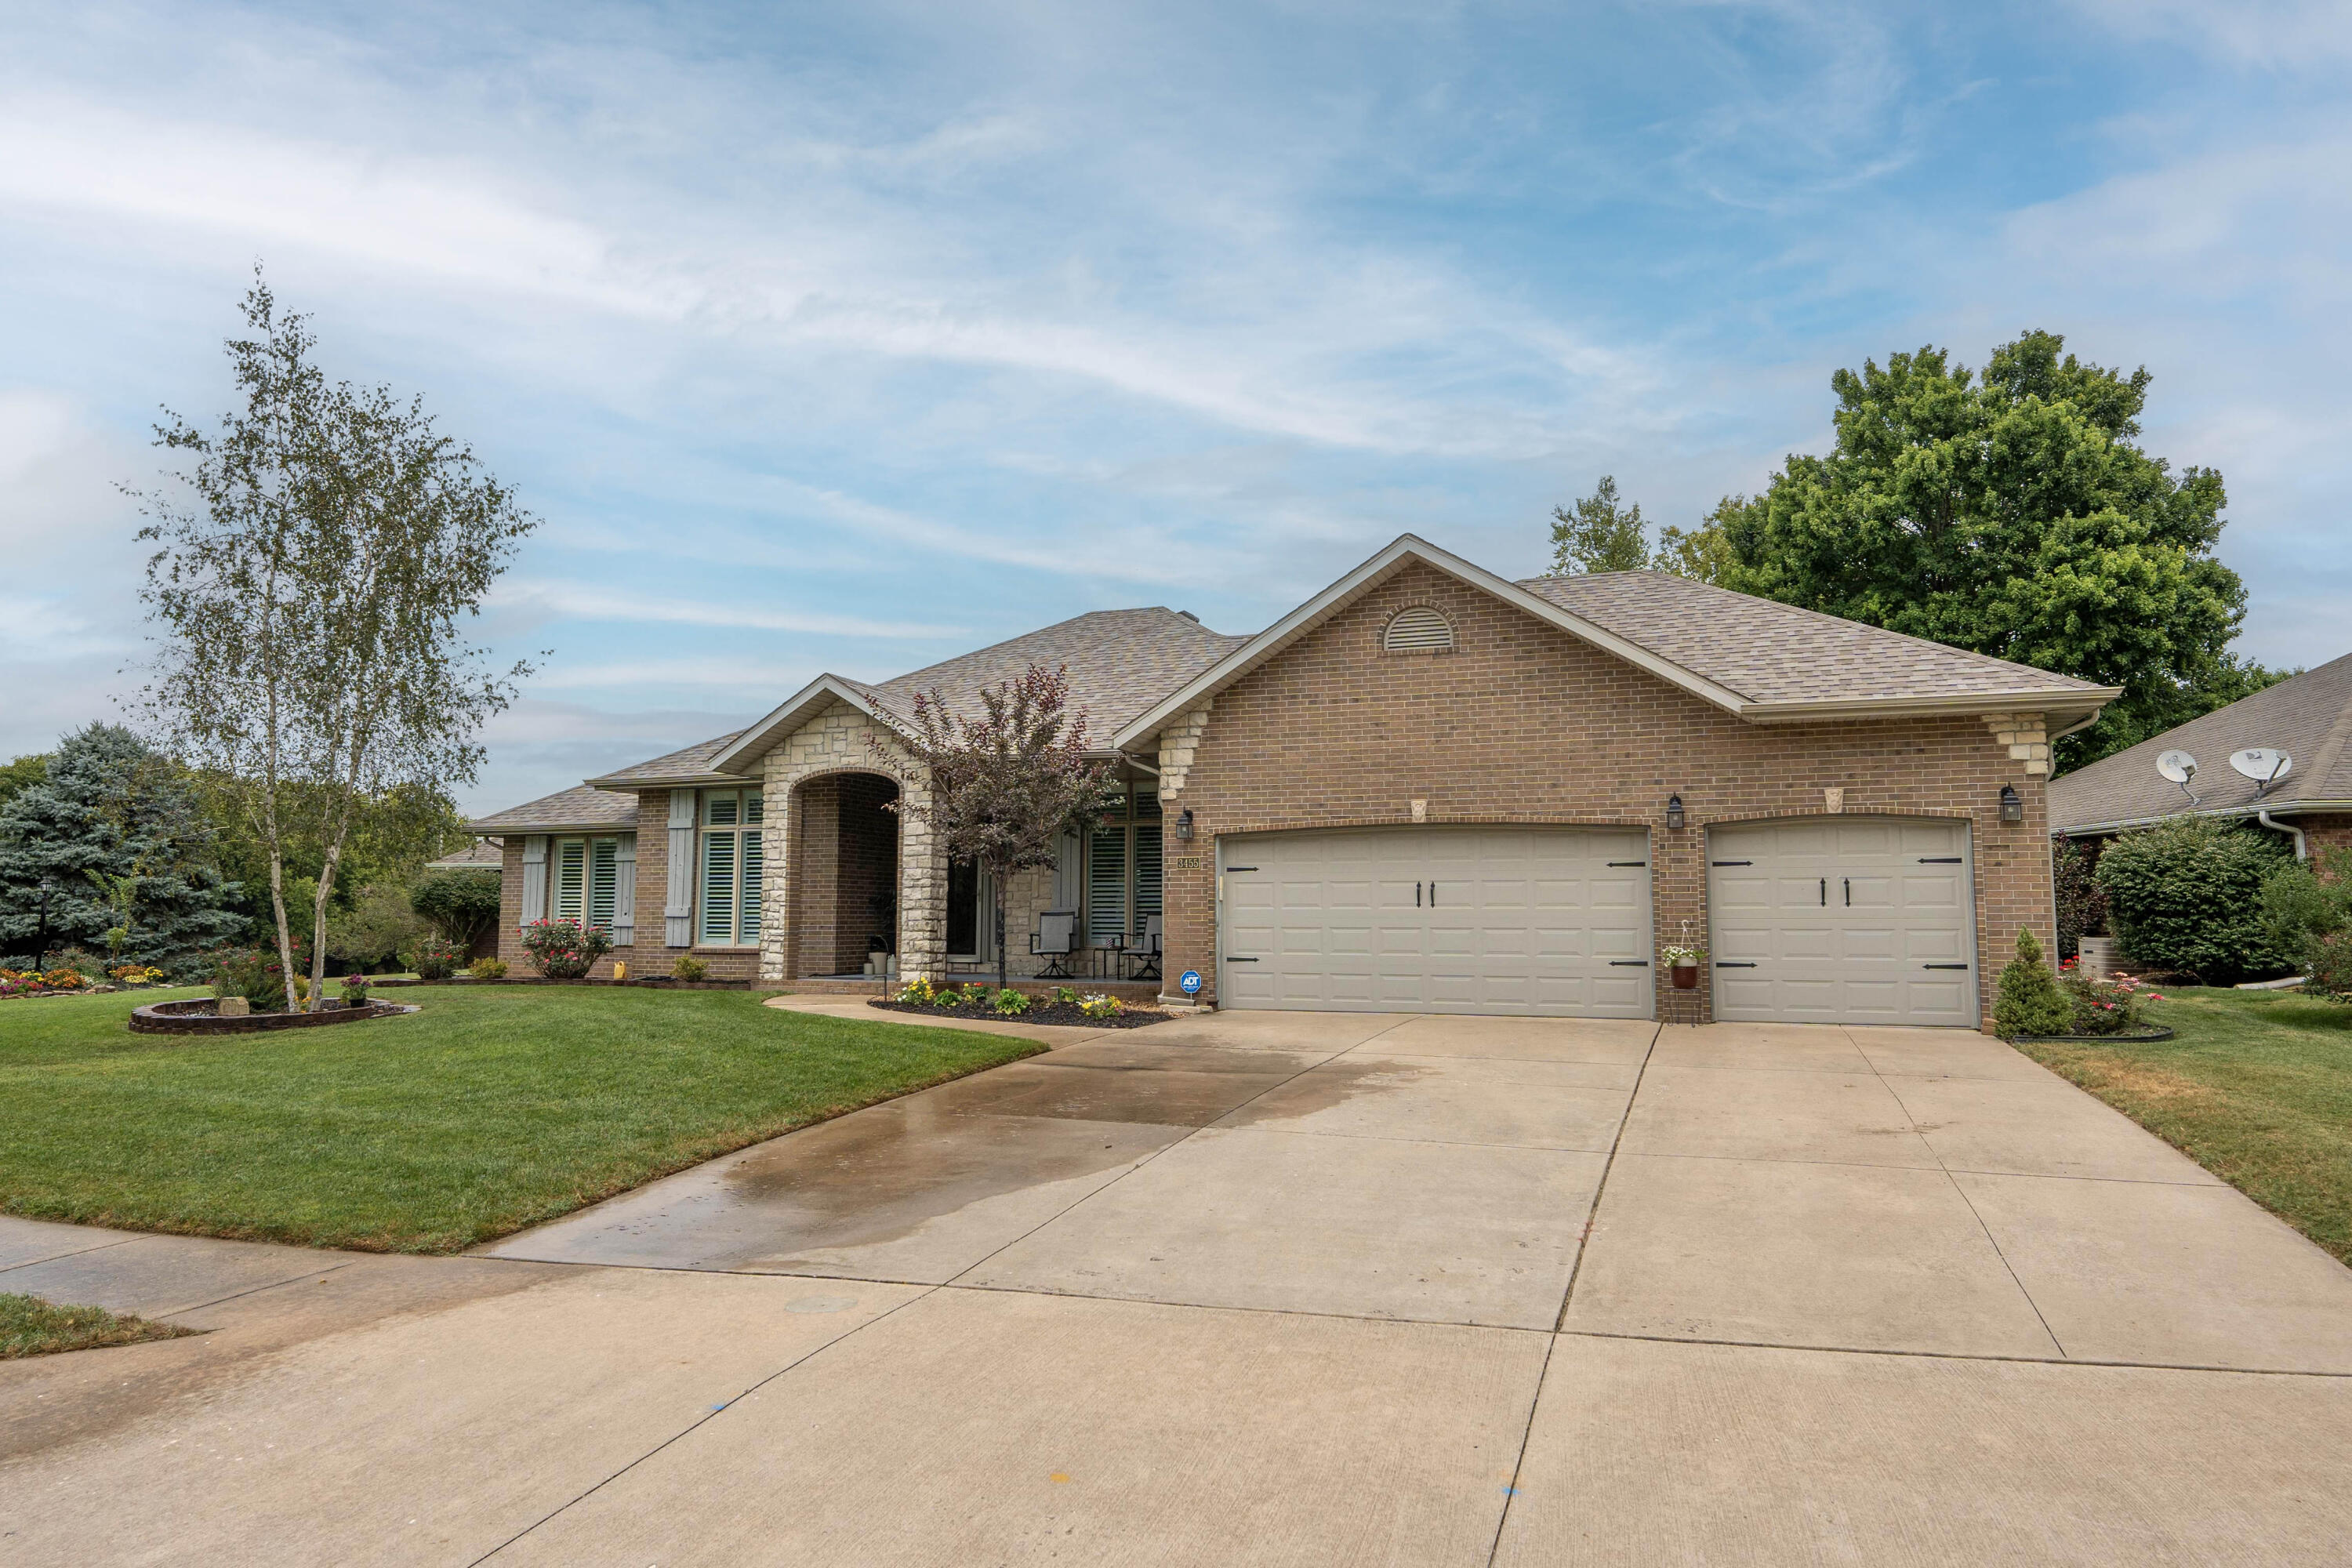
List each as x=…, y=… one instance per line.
x=194, y=1016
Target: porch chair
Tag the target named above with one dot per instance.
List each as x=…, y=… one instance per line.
x=1148, y=951
x=1056, y=938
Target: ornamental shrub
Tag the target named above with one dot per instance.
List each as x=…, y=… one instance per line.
x=2303, y=901
x=565, y=950
x=2030, y=1002
x=2328, y=960
x=689, y=967
x=1010, y=1003
x=488, y=969
x=2186, y=896
x=436, y=958
x=254, y=973
x=2104, y=1007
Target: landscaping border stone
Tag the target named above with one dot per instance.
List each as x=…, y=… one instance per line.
x=190, y=1015
x=2128, y=1037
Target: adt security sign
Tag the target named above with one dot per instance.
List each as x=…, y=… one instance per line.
x=1191, y=982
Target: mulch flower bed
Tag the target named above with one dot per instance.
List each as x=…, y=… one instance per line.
x=2121, y=1037
x=1063, y=1013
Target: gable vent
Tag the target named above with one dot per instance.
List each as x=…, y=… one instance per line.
x=1418, y=630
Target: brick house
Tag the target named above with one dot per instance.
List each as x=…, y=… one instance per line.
x=2309, y=718
x=1426, y=789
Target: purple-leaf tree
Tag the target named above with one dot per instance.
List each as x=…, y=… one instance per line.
x=1006, y=782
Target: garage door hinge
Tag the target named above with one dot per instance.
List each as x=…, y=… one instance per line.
x=1728, y=964
x=1629, y=963
x=1940, y=859
x=1731, y=862
x=1943, y=966
x=1231, y=959
x=1629, y=862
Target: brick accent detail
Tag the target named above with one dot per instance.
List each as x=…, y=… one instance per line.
x=1527, y=724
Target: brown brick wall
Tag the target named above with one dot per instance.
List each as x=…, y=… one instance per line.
x=2329, y=832
x=1522, y=723
x=845, y=849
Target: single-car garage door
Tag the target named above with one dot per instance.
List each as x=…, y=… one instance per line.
x=1842, y=920
x=1437, y=920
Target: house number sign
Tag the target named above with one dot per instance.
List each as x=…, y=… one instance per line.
x=1186, y=863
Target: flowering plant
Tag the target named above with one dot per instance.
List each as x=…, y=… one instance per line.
x=918, y=992
x=27, y=982
x=436, y=958
x=1101, y=1005
x=2105, y=1007
x=565, y=950
x=136, y=975
x=1679, y=957
x=355, y=990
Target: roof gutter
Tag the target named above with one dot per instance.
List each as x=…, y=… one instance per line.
x=2125, y=823
x=2302, y=848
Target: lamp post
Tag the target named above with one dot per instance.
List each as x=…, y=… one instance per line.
x=41, y=930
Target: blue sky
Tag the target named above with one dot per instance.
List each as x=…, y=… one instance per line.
x=848, y=338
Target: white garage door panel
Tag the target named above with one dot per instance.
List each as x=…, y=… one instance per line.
x=1840, y=918
x=1524, y=920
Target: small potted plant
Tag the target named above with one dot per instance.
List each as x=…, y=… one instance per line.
x=355, y=990
x=1682, y=966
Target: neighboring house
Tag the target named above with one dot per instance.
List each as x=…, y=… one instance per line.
x=2309, y=718
x=481, y=855
x=1427, y=789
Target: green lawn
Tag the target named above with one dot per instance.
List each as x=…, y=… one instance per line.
x=493, y=1109
x=2257, y=1088
x=31, y=1326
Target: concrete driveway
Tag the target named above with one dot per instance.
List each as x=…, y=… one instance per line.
x=1271, y=1287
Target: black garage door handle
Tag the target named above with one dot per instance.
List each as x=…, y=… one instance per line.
x=1943, y=966
x=1230, y=869
x=1629, y=862
x=1940, y=859
x=1231, y=959
x=1629, y=963
x=1731, y=862
x=1726, y=963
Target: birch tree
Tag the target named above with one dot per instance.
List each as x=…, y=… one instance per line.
x=320, y=550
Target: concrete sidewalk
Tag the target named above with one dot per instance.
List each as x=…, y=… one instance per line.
x=1268, y=1287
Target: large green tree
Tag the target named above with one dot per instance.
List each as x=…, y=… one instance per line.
x=1599, y=533
x=111, y=818
x=2012, y=512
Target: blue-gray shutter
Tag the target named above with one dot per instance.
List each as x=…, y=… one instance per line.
x=624, y=895
x=678, y=912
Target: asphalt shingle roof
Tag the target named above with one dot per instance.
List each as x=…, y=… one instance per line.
x=2309, y=718
x=1772, y=652
x=692, y=763
x=1119, y=662
x=480, y=854
x=583, y=806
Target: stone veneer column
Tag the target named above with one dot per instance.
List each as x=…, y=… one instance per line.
x=2025, y=736
x=836, y=740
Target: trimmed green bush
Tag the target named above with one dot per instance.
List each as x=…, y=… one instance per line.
x=2030, y=1002
x=2186, y=896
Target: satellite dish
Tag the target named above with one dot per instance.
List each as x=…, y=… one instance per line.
x=2263, y=764
x=2178, y=766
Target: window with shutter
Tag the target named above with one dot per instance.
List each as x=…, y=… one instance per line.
x=1147, y=875
x=747, y=929
x=603, y=881
x=1106, y=885
x=718, y=886
x=1417, y=630
x=571, y=864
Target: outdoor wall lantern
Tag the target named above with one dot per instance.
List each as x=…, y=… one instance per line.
x=2012, y=808
x=1674, y=811
x=1184, y=823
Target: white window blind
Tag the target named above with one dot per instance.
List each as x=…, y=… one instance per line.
x=732, y=859
x=603, y=881
x=1106, y=885
x=571, y=866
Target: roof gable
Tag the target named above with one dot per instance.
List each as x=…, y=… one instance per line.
x=1762, y=661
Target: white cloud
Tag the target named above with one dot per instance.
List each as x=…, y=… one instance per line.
x=589, y=602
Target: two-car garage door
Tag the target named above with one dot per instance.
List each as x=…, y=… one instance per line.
x=1438, y=919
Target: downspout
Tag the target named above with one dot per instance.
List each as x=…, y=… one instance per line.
x=2302, y=849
